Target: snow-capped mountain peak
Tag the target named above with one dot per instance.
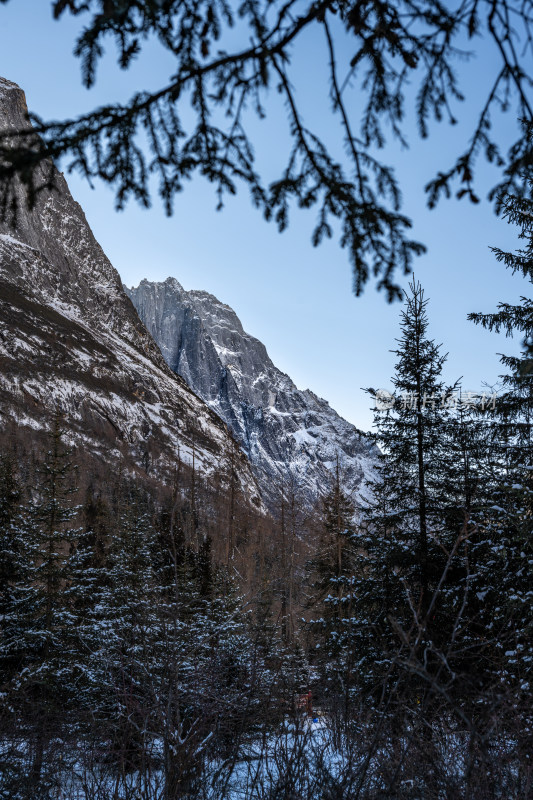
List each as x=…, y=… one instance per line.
x=71, y=339
x=288, y=434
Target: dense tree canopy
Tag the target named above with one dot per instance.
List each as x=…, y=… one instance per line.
x=151, y=648
x=229, y=57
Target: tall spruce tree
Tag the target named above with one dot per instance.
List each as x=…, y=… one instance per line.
x=414, y=472
x=509, y=567
x=417, y=521
x=36, y=639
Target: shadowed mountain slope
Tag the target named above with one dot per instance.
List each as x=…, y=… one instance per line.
x=71, y=340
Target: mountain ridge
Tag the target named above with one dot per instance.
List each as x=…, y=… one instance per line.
x=290, y=435
x=70, y=339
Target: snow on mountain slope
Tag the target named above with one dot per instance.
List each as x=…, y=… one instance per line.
x=70, y=338
x=288, y=434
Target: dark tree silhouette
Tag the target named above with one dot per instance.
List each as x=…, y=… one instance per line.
x=510, y=523
x=229, y=57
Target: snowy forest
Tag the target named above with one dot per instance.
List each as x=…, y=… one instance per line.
x=182, y=644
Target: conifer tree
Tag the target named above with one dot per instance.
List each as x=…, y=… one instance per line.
x=508, y=570
x=414, y=468
x=201, y=656
x=417, y=521
x=333, y=570
x=287, y=538
x=226, y=62
x=90, y=581
x=13, y=573
x=11, y=546
x=471, y=452
x=36, y=633
x=120, y=633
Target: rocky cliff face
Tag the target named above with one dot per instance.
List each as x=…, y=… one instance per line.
x=289, y=435
x=70, y=338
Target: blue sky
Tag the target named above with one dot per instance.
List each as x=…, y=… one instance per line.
x=295, y=298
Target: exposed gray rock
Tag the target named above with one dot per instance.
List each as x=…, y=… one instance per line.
x=70, y=337
x=288, y=434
